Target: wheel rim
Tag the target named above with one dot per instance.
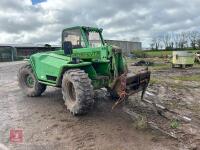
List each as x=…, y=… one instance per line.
x=30, y=81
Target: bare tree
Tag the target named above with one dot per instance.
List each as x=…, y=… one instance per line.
x=171, y=40
x=176, y=39
x=166, y=39
x=183, y=39
x=198, y=43
x=152, y=46
x=156, y=42
x=193, y=35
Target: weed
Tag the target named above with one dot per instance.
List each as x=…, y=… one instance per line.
x=174, y=123
x=141, y=122
x=187, y=78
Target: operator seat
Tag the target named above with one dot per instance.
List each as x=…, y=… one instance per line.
x=67, y=45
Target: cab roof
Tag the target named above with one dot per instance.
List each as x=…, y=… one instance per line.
x=85, y=28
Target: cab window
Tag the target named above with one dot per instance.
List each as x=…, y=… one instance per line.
x=75, y=37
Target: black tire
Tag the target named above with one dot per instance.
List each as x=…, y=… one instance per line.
x=77, y=91
x=36, y=89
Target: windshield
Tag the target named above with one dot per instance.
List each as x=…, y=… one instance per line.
x=94, y=39
x=75, y=37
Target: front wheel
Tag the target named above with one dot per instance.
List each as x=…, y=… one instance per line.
x=77, y=91
x=28, y=83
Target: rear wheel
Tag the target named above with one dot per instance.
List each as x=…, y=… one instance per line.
x=77, y=91
x=28, y=83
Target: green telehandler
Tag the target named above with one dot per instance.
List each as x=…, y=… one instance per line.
x=84, y=63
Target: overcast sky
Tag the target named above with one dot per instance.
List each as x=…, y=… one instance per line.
x=22, y=21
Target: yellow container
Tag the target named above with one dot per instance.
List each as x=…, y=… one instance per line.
x=183, y=58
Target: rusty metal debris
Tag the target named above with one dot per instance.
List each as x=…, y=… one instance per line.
x=165, y=111
x=123, y=94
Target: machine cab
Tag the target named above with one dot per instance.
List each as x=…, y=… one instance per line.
x=80, y=37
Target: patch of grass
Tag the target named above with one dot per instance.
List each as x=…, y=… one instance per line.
x=161, y=66
x=176, y=85
x=155, y=81
x=187, y=78
x=132, y=60
x=162, y=53
x=141, y=122
x=174, y=124
x=139, y=53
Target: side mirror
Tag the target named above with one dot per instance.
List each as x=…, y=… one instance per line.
x=67, y=46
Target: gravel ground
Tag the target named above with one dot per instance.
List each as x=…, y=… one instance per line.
x=178, y=91
x=46, y=123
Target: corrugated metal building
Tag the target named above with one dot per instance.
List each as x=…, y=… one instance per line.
x=7, y=53
x=10, y=52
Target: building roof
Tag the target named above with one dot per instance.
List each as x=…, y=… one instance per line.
x=27, y=45
x=123, y=41
x=84, y=27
